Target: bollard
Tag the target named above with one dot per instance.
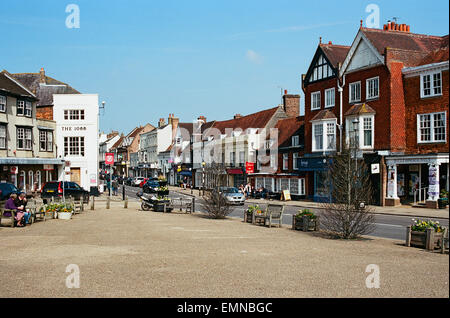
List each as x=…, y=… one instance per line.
x=125, y=203
x=107, y=202
x=193, y=205
x=123, y=192
x=92, y=203
x=408, y=236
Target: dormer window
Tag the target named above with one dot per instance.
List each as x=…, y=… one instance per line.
x=295, y=141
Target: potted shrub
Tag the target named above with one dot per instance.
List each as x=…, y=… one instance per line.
x=65, y=211
x=424, y=234
x=443, y=199
x=305, y=220
x=248, y=214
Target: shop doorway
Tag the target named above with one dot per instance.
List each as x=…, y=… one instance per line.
x=75, y=175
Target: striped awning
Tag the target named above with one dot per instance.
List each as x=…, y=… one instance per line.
x=31, y=161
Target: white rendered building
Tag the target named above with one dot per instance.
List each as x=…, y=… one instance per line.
x=76, y=117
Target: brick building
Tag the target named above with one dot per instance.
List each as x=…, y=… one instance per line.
x=393, y=104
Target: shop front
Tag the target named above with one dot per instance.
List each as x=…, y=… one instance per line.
x=30, y=174
x=316, y=175
x=416, y=179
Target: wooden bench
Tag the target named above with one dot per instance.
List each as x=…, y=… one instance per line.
x=273, y=212
x=11, y=217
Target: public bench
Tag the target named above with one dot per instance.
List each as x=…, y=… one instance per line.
x=273, y=212
x=181, y=204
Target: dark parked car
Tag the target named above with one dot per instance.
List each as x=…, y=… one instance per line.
x=54, y=189
x=6, y=189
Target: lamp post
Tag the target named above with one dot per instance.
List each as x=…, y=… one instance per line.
x=203, y=176
x=355, y=123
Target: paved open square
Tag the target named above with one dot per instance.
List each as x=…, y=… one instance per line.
x=130, y=253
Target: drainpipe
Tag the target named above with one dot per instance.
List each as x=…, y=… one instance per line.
x=341, y=90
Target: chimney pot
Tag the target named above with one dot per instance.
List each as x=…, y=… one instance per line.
x=407, y=28
x=329, y=42
x=285, y=92
x=42, y=76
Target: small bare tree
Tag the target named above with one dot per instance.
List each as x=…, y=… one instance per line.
x=216, y=204
x=347, y=214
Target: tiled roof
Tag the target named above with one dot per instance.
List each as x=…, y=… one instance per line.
x=287, y=128
x=324, y=114
x=428, y=45
x=10, y=86
x=44, y=92
x=256, y=120
x=335, y=53
x=358, y=109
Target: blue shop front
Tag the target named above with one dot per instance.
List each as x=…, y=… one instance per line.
x=316, y=170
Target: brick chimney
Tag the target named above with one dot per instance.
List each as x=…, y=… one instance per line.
x=237, y=116
x=161, y=122
x=42, y=76
x=392, y=26
x=291, y=104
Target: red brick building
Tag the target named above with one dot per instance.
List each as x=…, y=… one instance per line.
x=394, y=105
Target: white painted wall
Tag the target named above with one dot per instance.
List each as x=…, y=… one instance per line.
x=65, y=128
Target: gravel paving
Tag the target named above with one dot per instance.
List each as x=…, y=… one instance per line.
x=131, y=253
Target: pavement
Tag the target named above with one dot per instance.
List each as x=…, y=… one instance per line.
x=131, y=253
x=403, y=210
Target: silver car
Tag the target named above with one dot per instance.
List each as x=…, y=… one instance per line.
x=232, y=195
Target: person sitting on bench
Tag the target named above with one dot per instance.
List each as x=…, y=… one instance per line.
x=9, y=205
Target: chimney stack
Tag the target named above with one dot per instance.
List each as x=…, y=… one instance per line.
x=202, y=118
x=42, y=76
x=291, y=104
x=237, y=116
x=392, y=26
x=161, y=122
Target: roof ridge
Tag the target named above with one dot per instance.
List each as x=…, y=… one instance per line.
x=404, y=33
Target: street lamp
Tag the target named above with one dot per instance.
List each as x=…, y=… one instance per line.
x=203, y=176
x=355, y=123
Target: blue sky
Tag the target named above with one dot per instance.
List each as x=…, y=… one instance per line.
x=147, y=59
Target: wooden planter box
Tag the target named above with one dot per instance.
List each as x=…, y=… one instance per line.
x=159, y=206
x=305, y=223
x=429, y=240
x=50, y=215
x=248, y=217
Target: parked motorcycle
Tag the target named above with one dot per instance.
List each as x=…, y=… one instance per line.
x=146, y=203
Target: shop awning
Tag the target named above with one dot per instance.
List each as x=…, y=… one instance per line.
x=31, y=161
x=185, y=173
x=235, y=171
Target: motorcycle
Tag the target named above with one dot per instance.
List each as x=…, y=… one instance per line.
x=146, y=203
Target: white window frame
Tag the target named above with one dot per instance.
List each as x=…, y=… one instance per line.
x=350, y=92
x=28, y=110
x=349, y=130
x=324, y=124
x=21, y=106
x=3, y=135
x=295, y=161
x=363, y=130
x=368, y=81
x=295, y=141
x=3, y=100
x=432, y=87
x=432, y=132
x=313, y=100
x=26, y=134
x=326, y=97
x=285, y=161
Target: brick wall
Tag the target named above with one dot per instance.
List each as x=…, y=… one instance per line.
x=291, y=105
x=44, y=112
x=416, y=105
x=397, y=109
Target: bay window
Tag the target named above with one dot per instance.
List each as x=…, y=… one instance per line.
x=360, y=131
x=324, y=136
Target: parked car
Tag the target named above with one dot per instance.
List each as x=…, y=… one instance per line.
x=232, y=195
x=54, y=189
x=6, y=189
x=143, y=182
x=137, y=181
